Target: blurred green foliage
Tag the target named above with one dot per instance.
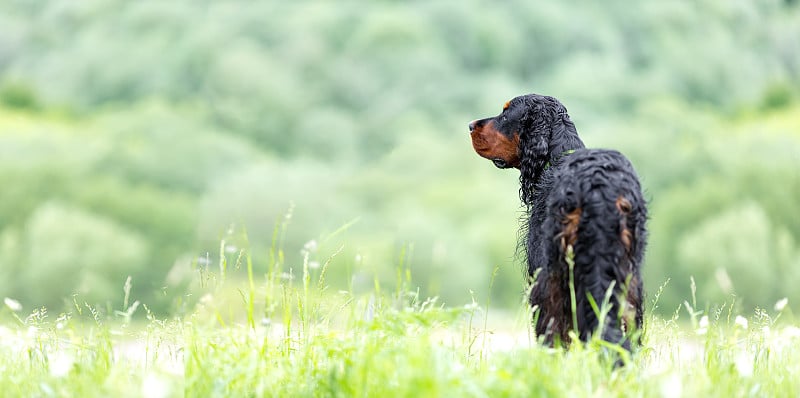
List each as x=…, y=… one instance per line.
x=134, y=136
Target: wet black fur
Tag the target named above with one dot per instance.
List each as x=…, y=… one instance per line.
x=558, y=176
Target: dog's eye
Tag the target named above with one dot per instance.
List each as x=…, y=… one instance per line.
x=504, y=118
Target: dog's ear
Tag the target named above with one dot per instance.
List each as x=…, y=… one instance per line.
x=535, y=133
x=545, y=127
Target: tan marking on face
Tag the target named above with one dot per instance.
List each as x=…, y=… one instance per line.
x=505, y=106
x=492, y=144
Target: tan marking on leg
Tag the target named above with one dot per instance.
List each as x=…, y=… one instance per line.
x=625, y=235
x=569, y=233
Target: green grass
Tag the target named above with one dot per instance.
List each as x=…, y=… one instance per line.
x=286, y=334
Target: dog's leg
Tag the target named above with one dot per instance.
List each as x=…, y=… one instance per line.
x=599, y=270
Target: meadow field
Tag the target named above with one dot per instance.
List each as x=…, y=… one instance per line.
x=285, y=334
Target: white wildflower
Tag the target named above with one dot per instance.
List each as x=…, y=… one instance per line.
x=155, y=386
x=12, y=304
x=701, y=331
x=231, y=249
x=313, y=264
x=309, y=247
x=741, y=322
x=791, y=332
x=671, y=386
x=744, y=364
x=702, y=326
x=781, y=304
x=60, y=364
x=206, y=299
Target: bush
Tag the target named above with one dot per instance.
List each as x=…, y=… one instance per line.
x=739, y=252
x=64, y=250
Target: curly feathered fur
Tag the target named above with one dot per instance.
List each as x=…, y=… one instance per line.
x=584, y=224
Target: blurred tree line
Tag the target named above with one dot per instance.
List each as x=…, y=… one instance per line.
x=135, y=136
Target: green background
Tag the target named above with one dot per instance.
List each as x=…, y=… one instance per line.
x=136, y=136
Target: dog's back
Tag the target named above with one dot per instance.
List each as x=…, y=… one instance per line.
x=594, y=217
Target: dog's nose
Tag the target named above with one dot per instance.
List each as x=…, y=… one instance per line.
x=472, y=125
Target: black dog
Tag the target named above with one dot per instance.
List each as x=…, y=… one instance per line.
x=585, y=221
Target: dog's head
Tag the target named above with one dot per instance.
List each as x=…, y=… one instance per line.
x=520, y=132
x=530, y=133
x=497, y=138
